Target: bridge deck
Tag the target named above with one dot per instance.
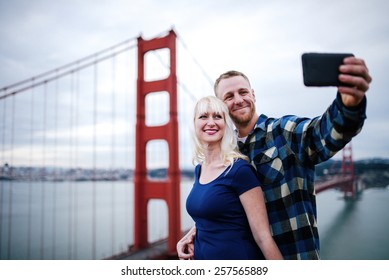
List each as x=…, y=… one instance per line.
x=333, y=182
x=156, y=251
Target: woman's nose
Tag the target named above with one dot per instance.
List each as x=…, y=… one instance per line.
x=211, y=121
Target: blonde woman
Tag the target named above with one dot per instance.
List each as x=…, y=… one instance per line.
x=226, y=201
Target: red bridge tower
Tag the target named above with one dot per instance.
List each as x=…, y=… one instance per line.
x=146, y=189
x=347, y=171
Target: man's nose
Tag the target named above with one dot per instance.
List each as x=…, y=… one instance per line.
x=238, y=99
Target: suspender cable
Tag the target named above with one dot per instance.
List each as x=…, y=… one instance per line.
x=31, y=156
x=75, y=152
x=129, y=142
x=43, y=190
x=55, y=164
x=94, y=228
x=113, y=109
x=12, y=166
x=3, y=173
x=71, y=183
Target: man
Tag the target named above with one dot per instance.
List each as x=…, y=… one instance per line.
x=286, y=150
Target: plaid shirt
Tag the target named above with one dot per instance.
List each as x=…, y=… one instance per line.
x=285, y=152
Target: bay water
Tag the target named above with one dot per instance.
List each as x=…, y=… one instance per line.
x=94, y=220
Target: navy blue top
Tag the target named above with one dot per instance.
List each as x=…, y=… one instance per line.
x=222, y=228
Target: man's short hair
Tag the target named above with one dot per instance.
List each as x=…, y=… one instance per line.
x=229, y=74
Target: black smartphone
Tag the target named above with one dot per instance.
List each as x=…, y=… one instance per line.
x=322, y=69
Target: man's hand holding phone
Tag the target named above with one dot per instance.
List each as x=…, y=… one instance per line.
x=342, y=70
x=354, y=73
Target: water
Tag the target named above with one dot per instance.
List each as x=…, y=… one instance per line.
x=354, y=230
x=74, y=220
x=94, y=220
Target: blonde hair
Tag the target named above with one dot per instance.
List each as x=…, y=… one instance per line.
x=229, y=145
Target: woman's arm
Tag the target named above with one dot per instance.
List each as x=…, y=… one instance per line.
x=254, y=205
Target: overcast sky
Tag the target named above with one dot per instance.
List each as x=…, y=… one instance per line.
x=264, y=39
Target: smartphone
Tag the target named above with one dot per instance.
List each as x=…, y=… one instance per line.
x=322, y=69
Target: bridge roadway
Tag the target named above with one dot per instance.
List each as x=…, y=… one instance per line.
x=334, y=181
x=155, y=251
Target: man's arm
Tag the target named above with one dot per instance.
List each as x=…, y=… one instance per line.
x=320, y=138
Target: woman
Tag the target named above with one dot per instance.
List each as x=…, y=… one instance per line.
x=226, y=201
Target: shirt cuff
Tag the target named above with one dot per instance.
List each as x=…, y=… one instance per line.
x=356, y=113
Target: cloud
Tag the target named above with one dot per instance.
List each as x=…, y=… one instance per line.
x=263, y=39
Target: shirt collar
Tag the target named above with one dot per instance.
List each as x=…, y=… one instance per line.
x=260, y=124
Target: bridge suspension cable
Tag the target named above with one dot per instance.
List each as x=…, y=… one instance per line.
x=67, y=69
x=205, y=74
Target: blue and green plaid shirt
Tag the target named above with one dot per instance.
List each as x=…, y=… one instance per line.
x=285, y=152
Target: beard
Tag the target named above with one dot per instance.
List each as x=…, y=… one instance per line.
x=242, y=120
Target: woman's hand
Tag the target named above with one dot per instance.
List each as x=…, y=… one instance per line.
x=185, y=247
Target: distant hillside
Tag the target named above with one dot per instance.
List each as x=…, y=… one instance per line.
x=374, y=172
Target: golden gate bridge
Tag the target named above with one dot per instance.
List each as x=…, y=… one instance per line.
x=95, y=155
